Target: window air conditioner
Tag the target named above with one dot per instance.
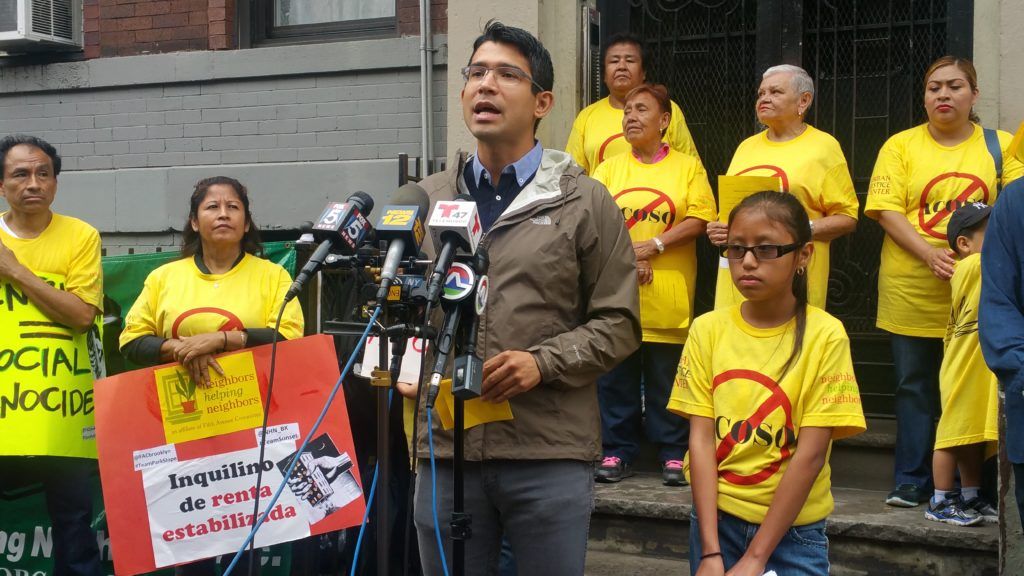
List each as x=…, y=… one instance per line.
x=40, y=25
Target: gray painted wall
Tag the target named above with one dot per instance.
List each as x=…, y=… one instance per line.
x=299, y=125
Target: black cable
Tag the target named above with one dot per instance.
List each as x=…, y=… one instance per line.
x=415, y=429
x=263, y=429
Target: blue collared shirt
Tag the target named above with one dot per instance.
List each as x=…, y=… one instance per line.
x=493, y=201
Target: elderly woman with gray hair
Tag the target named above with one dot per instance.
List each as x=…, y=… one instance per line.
x=808, y=163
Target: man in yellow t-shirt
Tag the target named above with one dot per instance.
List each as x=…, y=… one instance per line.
x=35, y=244
x=811, y=167
x=597, y=131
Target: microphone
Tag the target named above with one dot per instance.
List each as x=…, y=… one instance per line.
x=468, y=369
x=342, y=225
x=459, y=286
x=401, y=224
x=454, y=224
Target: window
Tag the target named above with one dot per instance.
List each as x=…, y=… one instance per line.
x=289, y=21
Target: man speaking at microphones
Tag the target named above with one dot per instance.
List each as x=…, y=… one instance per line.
x=562, y=309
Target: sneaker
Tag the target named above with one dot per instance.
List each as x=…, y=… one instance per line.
x=987, y=511
x=672, y=473
x=612, y=469
x=906, y=496
x=952, y=511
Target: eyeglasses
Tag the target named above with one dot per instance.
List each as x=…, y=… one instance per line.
x=761, y=252
x=507, y=75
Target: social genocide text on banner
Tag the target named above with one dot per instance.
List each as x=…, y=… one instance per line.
x=46, y=395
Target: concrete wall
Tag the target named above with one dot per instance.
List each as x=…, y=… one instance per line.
x=298, y=125
x=997, y=57
x=555, y=22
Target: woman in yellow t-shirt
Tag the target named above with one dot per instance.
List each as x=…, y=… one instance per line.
x=219, y=297
x=597, y=131
x=767, y=385
x=809, y=165
x=921, y=176
x=666, y=201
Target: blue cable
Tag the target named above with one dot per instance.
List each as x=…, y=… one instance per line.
x=305, y=441
x=433, y=490
x=369, y=503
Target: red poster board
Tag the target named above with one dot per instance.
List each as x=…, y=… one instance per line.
x=174, y=503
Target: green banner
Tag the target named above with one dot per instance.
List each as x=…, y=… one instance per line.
x=26, y=541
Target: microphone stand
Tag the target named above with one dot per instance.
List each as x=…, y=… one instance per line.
x=466, y=382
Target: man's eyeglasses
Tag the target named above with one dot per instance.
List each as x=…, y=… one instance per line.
x=761, y=252
x=506, y=75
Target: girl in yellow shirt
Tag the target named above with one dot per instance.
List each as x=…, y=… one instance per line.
x=767, y=385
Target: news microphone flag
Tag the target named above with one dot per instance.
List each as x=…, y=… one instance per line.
x=341, y=226
x=456, y=219
x=401, y=224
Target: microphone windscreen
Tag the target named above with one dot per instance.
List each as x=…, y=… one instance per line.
x=363, y=201
x=412, y=194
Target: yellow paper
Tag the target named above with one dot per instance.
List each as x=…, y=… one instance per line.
x=733, y=189
x=475, y=411
x=231, y=403
x=46, y=380
x=1017, y=146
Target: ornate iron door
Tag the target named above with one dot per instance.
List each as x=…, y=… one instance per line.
x=866, y=57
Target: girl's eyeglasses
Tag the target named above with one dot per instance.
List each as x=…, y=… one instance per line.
x=761, y=251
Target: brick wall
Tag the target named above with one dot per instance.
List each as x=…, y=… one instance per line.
x=130, y=27
x=409, y=17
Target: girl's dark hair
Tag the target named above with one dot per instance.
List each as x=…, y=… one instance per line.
x=786, y=210
x=192, y=244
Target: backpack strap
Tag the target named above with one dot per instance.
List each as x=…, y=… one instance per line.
x=992, y=142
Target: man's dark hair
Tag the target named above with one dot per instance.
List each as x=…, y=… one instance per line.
x=625, y=38
x=13, y=140
x=528, y=45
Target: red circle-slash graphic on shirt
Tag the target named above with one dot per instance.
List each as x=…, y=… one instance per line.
x=600, y=151
x=233, y=322
x=777, y=400
x=659, y=199
x=775, y=172
x=974, y=184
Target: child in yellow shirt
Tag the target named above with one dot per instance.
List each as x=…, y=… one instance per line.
x=767, y=385
x=968, y=426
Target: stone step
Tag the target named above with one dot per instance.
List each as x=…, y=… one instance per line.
x=601, y=563
x=640, y=517
x=865, y=461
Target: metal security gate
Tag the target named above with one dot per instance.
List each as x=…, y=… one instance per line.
x=866, y=57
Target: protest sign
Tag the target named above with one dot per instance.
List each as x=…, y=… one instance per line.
x=171, y=501
x=46, y=396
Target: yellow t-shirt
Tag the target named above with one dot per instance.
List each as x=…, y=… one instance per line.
x=969, y=389
x=68, y=247
x=178, y=300
x=728, y=373
x=653, y=198
x=812, y=168
x=597, y=135
x=923, y=180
